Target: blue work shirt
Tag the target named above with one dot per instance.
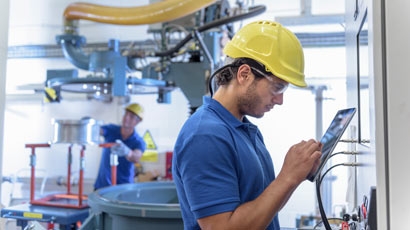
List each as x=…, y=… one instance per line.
x=125, y=169
x=219, y=163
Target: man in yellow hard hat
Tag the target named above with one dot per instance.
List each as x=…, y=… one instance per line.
x=129, y=147
x=223, y=172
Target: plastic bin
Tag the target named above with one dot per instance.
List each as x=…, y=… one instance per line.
x=146, y=205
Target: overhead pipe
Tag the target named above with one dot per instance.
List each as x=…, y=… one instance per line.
x=111, y=61
x=166, y=10
x=163, y=11
x=71, y=47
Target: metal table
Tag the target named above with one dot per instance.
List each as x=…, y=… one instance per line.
x=67, y=218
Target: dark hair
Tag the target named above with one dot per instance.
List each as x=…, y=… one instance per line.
x=224, y=75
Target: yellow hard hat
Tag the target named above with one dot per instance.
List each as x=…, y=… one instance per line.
x=136, y=109
x=272, y=45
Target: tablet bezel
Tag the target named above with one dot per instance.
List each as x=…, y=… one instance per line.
x=347, y=114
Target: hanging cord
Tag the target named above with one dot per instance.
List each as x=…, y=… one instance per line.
x=320, y=204
x=212, y=84
x=319, y=180
x=345, y=164
x=334, y=166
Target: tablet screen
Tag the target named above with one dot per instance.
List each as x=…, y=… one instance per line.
x=332, y=136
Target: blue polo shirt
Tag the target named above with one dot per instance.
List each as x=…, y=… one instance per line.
x=219, y=163
x=125, y=169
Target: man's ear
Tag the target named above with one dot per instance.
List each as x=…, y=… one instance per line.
x=243, y=73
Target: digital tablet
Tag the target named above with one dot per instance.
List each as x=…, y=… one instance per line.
x=332, y=136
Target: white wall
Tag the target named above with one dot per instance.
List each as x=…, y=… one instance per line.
x=4, y=5
x=394, y=157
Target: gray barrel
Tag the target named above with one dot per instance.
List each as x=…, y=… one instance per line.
x=146, y=205
x=84, y=131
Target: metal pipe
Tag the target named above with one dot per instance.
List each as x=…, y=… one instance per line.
x=69, y=163
x=162, y=11
x=113, y=163
x=81, y=182
x=33, y=166
x=204, y=49
x=73, y=51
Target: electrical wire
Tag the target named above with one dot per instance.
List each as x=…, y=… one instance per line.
x=338, y=153
x=320, y=204
x=325, y=220
x=328, y=170
x=341, y=164
x=253, y=11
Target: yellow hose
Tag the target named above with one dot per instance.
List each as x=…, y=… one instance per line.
x=166, y=10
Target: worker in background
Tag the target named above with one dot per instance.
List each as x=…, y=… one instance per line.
x=129, y=147
x=223, y=172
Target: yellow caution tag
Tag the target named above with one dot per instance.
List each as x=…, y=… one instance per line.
x=51, y=95
x=33, y=215
x=149, y=156
x=149, y=140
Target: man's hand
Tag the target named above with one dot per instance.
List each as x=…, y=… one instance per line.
x=120, y=149
x=301, y=160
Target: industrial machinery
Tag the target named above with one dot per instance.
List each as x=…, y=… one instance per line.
x=171, y=62
x=67, y=209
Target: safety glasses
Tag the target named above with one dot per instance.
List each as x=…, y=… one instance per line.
x=278, y=87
